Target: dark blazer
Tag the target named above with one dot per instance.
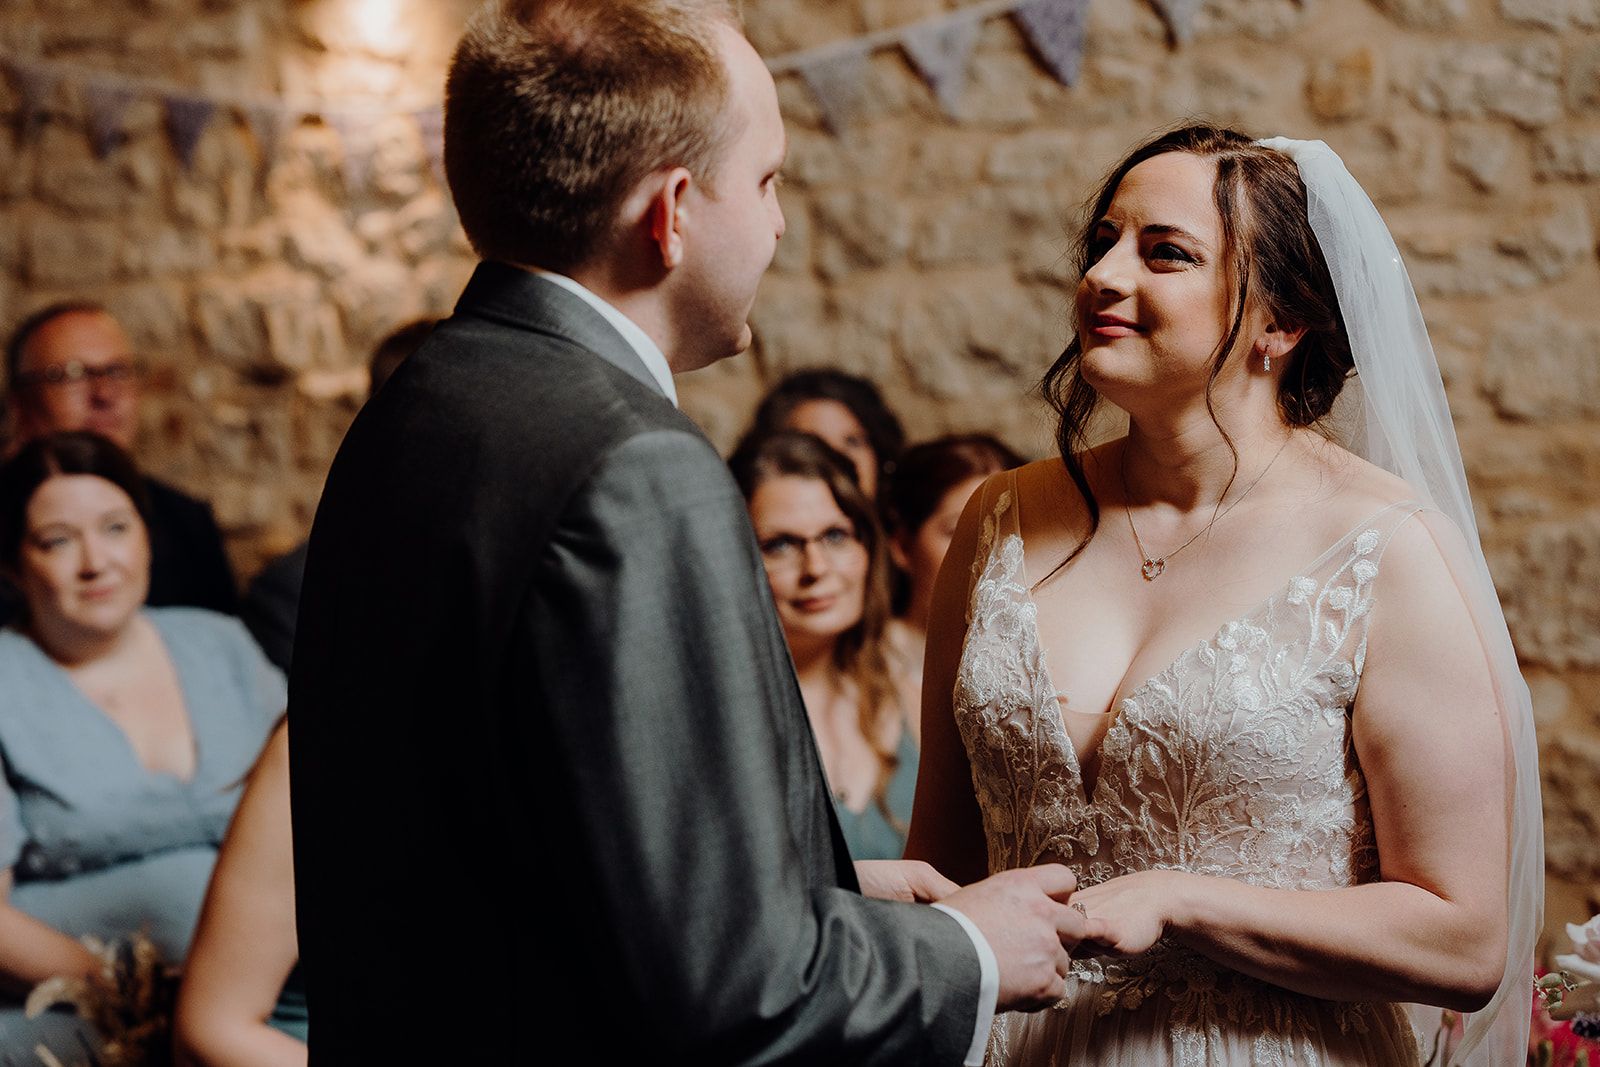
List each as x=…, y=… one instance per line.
x=272, y=603
x=552, y=778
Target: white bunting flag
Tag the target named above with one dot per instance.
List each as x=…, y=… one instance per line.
x=941, y=52
x=187, y=119
x=1054, y=28
x=837, y=81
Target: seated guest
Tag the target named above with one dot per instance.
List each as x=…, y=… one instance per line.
x=242, y=1004
x=828, y=568
x=922, y=500
x=125, y=732
x=273, y=601
x=71, y=367
x=847, y=412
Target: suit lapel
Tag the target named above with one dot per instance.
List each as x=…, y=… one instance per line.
x=524, y=300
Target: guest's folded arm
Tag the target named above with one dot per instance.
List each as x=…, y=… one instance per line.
x=31, y=951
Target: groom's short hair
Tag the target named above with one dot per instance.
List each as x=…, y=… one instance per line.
x=556, y=109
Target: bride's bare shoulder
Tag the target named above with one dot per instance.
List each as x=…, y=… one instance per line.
x=1353, y=488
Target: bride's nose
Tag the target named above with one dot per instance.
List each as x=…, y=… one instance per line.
x=1112, y=273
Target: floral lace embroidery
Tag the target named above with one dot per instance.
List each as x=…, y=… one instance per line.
x=1235, y=760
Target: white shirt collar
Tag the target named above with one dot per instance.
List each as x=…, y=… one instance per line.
x=650, y=354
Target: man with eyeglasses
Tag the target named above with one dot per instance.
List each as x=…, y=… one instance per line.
x=72, y=367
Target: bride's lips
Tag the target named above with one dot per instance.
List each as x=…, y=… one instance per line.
x=813, y=604
x=1103, y=325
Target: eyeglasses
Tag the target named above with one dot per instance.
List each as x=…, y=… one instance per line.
x=787, y=552
x=121, y=373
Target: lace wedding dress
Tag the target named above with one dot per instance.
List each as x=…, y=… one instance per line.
x=1236, y=760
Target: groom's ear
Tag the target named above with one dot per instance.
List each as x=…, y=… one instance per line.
x=669, y=214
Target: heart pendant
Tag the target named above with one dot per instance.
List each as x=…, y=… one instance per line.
x=1152, y=569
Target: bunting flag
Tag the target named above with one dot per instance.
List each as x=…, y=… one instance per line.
x=430, y=124
x=1054, y=29
x=187, y=119
x=108, y=105
x=35, y=85
x=1179, y=16
x=837, y=79
x=355, y=133
x=941, y=52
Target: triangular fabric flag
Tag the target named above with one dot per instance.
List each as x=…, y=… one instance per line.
x=355, y=134
x=837, y=81
x=36, y=85
x=187, y=119
x=1179, y=16
x=268, y=123
x=108, y=105
x=430, y=124
x=1054, y=29
x=941, y=52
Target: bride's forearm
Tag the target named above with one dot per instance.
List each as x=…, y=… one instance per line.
x=1380, y=941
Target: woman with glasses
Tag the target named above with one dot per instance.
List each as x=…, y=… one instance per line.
x=125, y=732
x=827, y=562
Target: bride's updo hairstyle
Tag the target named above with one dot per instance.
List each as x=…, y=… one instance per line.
x=1270, y=256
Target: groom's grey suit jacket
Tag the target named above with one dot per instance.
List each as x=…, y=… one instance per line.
x=552, y=777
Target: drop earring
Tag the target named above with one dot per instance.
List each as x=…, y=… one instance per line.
x=1266, y=362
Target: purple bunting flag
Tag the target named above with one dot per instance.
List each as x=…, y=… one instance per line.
x=187, y=119
x=430, y=124
x=108, y=106
x=837, y=81
x=1054, y=29
x=1179, y=16
x=941, y=52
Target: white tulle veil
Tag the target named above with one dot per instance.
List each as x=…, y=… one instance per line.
x=1395, y=415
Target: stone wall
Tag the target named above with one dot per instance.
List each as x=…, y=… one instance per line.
x=925, y=251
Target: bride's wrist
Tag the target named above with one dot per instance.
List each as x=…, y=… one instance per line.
x=1187, y=895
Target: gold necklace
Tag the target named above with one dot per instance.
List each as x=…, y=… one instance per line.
x=1153, y=566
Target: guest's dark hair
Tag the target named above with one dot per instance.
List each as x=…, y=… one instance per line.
x=927, y=471
x=1271, y=257
x=556, y=109
x=857, y=394
x=43, y=458
x=861, y=652
x=394, y=350
x=17, y=344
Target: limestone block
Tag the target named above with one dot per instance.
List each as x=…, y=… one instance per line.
x=16, y=167
x=1557, y=15
x=1485, y=154
x=948, y=162
x=1543, y=366
x=956, y=334
x=867, y=320
x=999, y=88
x=1036, y=156
x=374, y=299
x=152, y=249
x=860, y=230
x=791, y=327
x=1549, y=583
x=1396, y=162
x=1221, y=89
x=720, y=399
x=1570, y=766
x=1424, y=14
x=1516, y=81
x=1346, y=85
x=426, y=226
x=818, y=160
x=72, y=255
x=155, y=316
x=1569, y=155
x=70, y=178
x=232, y=329
x=399, y=168
x=983, y=226
x=375, y=229
x=1583, y=78
x=1262, y=19
x=778, y=26
x=1552, y=698
x=1482, y=257
x=439, y=282
x=317, y=237
x=794, y=252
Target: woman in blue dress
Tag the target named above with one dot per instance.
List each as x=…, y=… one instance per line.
x=827, y=563
x=125, y=732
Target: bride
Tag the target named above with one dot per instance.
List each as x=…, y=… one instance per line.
x=1250, y=683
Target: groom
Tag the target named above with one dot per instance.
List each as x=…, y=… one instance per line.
x=551, y=770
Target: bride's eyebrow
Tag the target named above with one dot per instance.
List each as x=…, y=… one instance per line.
x=1164, y=229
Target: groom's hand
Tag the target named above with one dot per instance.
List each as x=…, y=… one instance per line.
x=1025, y=918
x=912, y=881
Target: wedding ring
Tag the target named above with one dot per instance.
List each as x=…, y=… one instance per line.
x=1079, y=908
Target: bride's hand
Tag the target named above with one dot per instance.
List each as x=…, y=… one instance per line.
x=1128, y=915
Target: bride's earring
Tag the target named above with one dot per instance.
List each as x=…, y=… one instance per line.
x=1266, y=362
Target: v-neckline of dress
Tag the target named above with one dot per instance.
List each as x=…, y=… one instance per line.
x=99, y=714
x=1116, y=711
